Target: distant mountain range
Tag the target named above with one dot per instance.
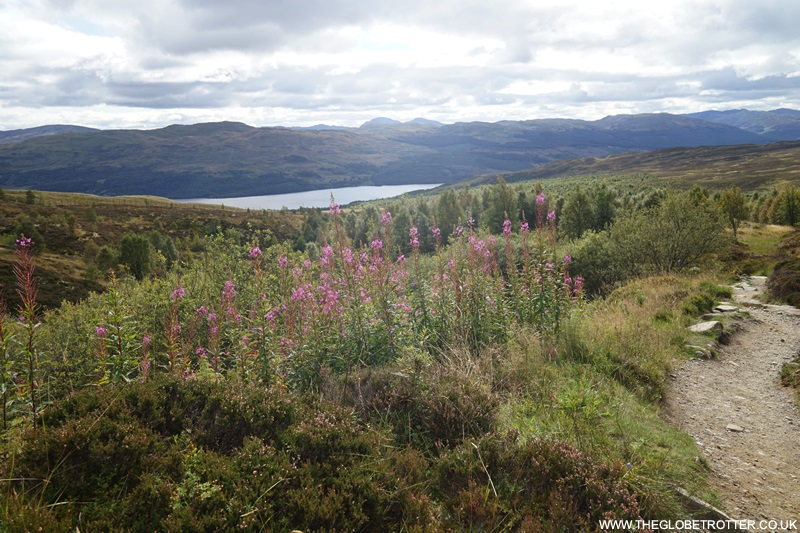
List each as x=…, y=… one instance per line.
x=228, y=159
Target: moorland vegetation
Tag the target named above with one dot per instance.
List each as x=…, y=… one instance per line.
x=485, y=359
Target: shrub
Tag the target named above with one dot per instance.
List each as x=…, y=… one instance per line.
x=784, y=283
x=423, y=411
x=171, y=454
x=539, y=485
x=135, y=254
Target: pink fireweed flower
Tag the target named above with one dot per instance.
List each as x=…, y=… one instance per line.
x=506, y=227
x=101, y=332
x=334, y=208
x=200, y=351
x=327, y=254
x=272, y=314
x=524, y=228
x=567, y=259
x=306, y=264
x=255, y=253
x=229, y=292
x=202, y=310
x=176, y=328
x=178, y=293
x=459, y=231
x=386, y=218
x=146, y=341
x=347, y=255
x=283, y=262
x=413, y=235
x=436, y=232
x=551, y=216
x=540, y=198
x=24, y=242
x=471, y=222
x=377, y=244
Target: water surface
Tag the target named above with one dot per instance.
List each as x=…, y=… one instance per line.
x=318, y=198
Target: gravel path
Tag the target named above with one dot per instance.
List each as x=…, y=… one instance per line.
x=746, y=423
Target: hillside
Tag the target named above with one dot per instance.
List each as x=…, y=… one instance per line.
x=232, y=159
x=778, y=124
x=72, y=229
x=748, y=166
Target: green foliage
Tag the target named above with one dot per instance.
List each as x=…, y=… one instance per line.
x=90, y=213
x=165, y=245
x=672, y=236
x=577, y=216
x=787, y=207
x=30, y=197
x=734, y=207
x=135, y=253
x=29, y=229
x=501, y=203
x=107, y=258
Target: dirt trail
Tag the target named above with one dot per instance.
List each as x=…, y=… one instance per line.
x=746, y=423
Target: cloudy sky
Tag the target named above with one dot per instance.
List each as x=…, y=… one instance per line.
x=150, y=63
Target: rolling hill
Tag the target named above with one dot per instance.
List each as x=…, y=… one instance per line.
x=232, y=159
x=715, y=167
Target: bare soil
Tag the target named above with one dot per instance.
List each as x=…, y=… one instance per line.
x=746, y=423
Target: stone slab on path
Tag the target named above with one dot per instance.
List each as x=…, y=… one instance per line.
x=706, y=327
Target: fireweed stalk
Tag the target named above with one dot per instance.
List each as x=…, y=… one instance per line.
x=172, y=329
x=354, y=296
x=6, y=363
x=117, y=347
x=28, y=293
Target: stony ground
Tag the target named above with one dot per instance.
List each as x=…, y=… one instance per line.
x=746, y=423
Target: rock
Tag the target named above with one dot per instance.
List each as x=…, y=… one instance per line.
x=711, y=316
x=705, y=327
x=726, y=308
x=734, y=427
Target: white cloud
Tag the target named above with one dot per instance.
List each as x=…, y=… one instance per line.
x=152, y=62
